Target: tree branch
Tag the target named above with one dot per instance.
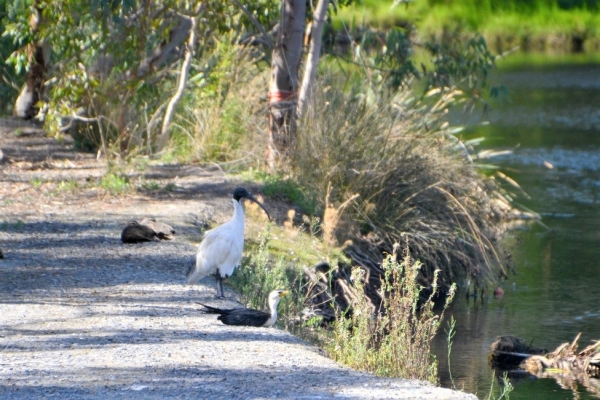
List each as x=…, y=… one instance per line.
x=185, y=66
x=255, y=22
x=310, y=73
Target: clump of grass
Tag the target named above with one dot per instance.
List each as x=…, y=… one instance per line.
x=17, y=225
x=70, y=185
x=169, y=187
x=115, y=183
x=154, y=186
x=36, y=182
x=276, y=186
x=141, y=163
x=150, y=185
x=409, y=177
x=396, y=340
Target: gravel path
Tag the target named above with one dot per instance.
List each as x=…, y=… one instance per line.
x=84, y=316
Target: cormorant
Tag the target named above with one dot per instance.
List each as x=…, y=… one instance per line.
x=249, y=316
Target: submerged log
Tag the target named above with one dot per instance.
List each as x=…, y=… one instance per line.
x=508, y=352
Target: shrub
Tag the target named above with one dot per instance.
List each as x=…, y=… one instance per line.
x=414, y=179
x=395, y=340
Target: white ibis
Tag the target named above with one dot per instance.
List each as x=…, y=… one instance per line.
x=221, y=249
x=249, y=316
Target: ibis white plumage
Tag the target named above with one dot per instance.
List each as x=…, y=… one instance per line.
x=221, y=249
x=249, y=316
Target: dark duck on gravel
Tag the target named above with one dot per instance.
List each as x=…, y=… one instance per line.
x=249, y=316
x=145, y=231
x=135, y=232
x=162, y=230
x=221, y=249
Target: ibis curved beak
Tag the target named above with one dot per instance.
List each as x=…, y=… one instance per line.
x=250, y=197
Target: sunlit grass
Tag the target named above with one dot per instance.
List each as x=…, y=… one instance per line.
x=542, y=60
x=535, y=20
x=69, y=185
x=36, y=182
x=115, y=184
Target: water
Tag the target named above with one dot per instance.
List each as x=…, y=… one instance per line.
x=551, y=121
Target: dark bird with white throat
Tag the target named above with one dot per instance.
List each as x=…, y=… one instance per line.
x=221, y=249
x=249, y=316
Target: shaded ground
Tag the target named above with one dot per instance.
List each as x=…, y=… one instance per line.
x=84, y=316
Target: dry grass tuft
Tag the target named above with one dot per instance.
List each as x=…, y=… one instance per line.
x=409, y=179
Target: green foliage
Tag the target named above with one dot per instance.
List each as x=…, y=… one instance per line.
x=265, y=11
x=396, y=342
x=70, y=185
x=276, y=186
x=103, y=75
x=17, y=225
x=115, y=183
x=459, y=63
x=454, y=60
x=150, y=185
x=260, y=273
x=36, y=182
x=220, y=120
x=154, y=186
x=8, y=48
x=505, y=390
x=546, y=24
x=16, y=27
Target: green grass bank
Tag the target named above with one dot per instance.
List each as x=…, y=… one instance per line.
x=533, y=25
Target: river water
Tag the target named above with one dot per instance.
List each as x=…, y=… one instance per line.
x=551, y=122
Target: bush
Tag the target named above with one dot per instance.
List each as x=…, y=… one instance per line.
x=395, y=340
x=413, y=178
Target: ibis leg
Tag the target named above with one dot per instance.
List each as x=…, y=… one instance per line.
x=220, y=292
x=221, y=287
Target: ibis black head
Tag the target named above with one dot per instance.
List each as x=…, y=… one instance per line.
x=241, y=192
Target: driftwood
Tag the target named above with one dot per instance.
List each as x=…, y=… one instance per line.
x=566, y=359
x=566, y=364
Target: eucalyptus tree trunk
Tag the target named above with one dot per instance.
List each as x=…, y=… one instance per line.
x=283, y=88
x=314, y=53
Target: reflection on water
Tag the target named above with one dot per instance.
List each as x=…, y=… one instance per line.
x=551, y=121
